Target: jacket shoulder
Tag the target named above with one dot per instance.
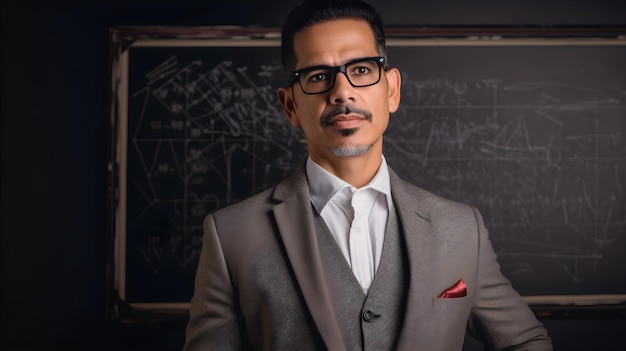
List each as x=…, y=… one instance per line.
x=442, y=213
x=253, y=213
x=425, y=198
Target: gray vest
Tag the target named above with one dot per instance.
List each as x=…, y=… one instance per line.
x=369, y=322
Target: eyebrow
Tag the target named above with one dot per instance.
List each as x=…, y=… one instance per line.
x=322, y=65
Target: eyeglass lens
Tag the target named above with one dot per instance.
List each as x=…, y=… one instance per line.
x=360, y=74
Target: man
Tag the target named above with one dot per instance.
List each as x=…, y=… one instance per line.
x=344, y=255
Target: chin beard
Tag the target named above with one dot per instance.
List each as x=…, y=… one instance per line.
x=350, y=150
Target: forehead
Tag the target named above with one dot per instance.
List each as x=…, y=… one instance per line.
x=334, y=42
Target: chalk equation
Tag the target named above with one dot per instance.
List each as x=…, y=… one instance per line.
x=546, y=168
x=543, y=160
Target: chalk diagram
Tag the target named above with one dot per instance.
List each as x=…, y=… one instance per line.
x=201, y=136
x=545, y=163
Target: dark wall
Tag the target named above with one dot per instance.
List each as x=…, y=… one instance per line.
x=55, y=144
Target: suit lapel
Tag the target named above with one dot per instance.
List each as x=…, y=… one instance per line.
x=420, y=240
x=294, y=219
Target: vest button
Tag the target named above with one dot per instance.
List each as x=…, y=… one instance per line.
x=368, y=316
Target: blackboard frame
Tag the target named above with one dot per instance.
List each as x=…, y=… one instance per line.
x=123, y=38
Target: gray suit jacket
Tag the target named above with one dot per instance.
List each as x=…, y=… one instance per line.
x=260, y=283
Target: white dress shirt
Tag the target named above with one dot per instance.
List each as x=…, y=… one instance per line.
x=359, y=237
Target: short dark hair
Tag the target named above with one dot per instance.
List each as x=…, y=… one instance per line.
x=311, y=12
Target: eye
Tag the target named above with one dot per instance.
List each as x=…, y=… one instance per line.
x=361, y=70
x=317, y=76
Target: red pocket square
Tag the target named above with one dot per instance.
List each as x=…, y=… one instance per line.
x=457, y=290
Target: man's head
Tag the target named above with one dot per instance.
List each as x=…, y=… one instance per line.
x=311, y=12
x=340, y=90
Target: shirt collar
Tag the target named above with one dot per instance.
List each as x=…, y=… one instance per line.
x=323, y=185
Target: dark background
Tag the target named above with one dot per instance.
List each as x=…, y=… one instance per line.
x=56, y=140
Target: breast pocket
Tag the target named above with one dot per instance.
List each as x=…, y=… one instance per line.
x=451, y=314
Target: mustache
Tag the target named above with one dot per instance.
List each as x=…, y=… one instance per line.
x=345, y=110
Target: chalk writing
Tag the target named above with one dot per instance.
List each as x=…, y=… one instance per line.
x=543, y=160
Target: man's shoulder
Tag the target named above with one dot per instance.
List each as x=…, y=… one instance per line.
x=428, y=203
x=267, y=198
x=420, y=194
x=256, y=202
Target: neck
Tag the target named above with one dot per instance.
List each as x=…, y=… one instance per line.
x=357, y=171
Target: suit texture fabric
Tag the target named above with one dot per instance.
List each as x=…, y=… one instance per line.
x=267, y=280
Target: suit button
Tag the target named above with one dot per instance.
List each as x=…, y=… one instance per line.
x=368, y=316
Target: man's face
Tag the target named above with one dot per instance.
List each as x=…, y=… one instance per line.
x=363, y=113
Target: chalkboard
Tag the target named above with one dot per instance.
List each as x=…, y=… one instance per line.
x=531, y=132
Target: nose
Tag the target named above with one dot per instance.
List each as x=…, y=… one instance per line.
x=342, y=92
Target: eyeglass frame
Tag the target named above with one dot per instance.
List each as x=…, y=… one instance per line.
x=296, y=75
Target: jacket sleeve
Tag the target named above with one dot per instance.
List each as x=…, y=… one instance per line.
x=499, y=317
x=213, y=323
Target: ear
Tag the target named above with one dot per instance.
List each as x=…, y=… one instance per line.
x=289, y=105
x=394, y=82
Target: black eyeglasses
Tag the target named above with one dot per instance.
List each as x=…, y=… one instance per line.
x=361, y=72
